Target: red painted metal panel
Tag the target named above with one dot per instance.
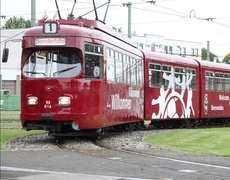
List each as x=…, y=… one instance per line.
x=214, y=104
x=170, y=102
x=124, y=103
x=87, y=101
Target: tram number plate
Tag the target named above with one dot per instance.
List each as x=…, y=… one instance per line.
x=50, y=28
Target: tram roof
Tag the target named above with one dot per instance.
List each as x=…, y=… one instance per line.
x=215, y=66
x=174, y=59
x=89, y=29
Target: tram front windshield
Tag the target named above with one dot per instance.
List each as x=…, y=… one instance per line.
x=63, y=62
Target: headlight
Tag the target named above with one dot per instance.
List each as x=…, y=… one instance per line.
x=32, y=100
x=64, y=101
x=75, y=126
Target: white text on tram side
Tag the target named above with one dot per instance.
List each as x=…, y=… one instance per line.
x=118, y=103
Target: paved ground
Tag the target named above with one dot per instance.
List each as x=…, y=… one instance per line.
x=103, y=165
x=28, y=174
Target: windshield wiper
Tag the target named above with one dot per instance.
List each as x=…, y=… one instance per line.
x=64, y=70
x=34, y=72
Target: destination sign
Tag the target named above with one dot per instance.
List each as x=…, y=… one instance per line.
x=50, y=42
x=94, y=48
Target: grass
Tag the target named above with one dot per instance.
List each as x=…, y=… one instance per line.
x=8, y=134
x=215, y=141
x=11, y=129
x=9, y=125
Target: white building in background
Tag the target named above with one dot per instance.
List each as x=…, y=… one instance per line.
x=10, y=71
x=158, y=43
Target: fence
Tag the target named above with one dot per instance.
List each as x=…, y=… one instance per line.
x=10, y=107
x=10, y=103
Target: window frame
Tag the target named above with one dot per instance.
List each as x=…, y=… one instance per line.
x=150, y=70
x=100, y=55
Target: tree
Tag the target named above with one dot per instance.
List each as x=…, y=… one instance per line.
x=204, y=55
x=17, y=23
x=227, y=59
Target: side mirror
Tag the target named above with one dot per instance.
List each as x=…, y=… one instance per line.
x=5, y=55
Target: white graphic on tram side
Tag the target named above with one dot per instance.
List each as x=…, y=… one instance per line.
x=206, y=104
x=169, y=98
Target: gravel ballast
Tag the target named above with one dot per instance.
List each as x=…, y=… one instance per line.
x=126, y=140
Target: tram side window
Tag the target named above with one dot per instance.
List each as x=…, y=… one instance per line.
x=125, y=69
x=133, y=71
x=219, y=83
x=166, y=70
x=206, y=81
x=128, y=71
x=209, y=81
x=139, y=80
x=136, y=71
x=225, y=82
x=93, y=61
x=216, y=82
x=228, y=83
x=191, y=77
x=121, y=57
x=118, y=62
x=122, y=68
x=222, y=83
x=154, y=75
x=179, y=77
x=110, y=65
x=141, y=72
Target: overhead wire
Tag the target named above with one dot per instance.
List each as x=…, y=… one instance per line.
x=42, y=12
x=137, y=23
x=112, y=5
x=159, y=12
x=169, y=11
x=221, y=24
x=12, y=37
x=182, y=14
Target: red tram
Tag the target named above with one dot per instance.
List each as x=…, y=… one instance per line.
x=77, y=75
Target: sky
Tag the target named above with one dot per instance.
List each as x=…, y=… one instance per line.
x=173, y=19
